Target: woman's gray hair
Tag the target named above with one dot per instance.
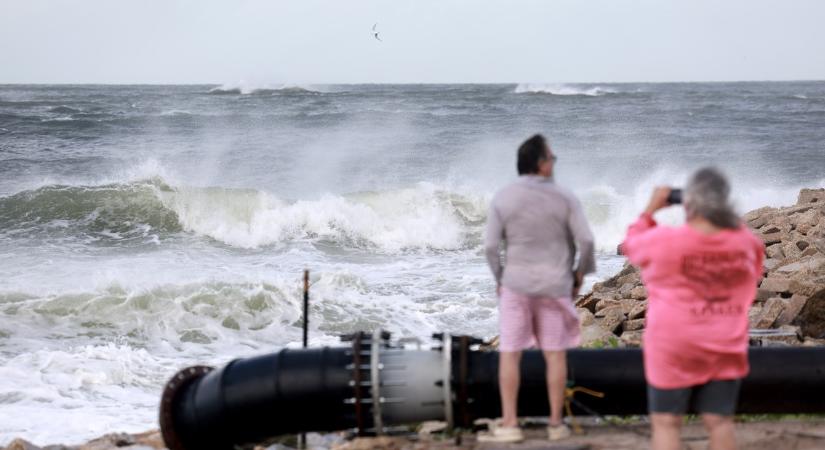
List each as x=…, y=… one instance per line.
x=707, y=195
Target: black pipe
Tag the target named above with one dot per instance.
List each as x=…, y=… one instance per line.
x=252, y=399
x=327, y=389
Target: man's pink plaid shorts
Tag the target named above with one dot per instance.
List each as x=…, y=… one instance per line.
x=524, y=321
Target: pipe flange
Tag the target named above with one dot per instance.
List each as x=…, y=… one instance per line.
x=167, y=402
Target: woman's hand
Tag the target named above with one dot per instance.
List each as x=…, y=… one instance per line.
x=658, y=200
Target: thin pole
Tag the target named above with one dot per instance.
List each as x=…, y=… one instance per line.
x=302, y=438
x=306, y=307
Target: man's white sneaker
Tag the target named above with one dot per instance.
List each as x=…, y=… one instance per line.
x=558, y=432
x=501, y=435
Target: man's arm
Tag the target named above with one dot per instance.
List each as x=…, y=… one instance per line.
x=583, y=237
x=492, y=243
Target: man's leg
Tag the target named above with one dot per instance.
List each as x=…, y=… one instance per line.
x=556, y=383
x=509, y=377
x=721, y=431
x=666, y=431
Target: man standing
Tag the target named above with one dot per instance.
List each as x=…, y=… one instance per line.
x=541, y=225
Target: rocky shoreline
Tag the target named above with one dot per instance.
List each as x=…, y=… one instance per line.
x=789, y=310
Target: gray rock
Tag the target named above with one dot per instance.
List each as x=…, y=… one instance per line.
x=775, y=251
x=585, y=317
x=811, y=318
x=811, y=196
x=633, y=325
x=770, y=312
x=596, y=336
x=638, y=293
x=771, y=238
x=776, y=284
x=611, y=320
x=633, y=338
x=638, y=311
x=792, y=308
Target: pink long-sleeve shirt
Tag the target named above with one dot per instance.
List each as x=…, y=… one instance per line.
x=700, y=288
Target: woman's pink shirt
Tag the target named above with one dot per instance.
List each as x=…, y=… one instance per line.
x=700, y=288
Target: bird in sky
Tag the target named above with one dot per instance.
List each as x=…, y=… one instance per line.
x=375, y=32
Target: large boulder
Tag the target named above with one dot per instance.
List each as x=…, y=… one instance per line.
x=811, y=318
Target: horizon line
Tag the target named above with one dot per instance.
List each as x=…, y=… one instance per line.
x=408, y=83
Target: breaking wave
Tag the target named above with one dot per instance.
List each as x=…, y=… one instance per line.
x=420, y=217
x=265, y=89
x=561, y=89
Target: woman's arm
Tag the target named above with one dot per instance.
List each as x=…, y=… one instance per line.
x=636, y=245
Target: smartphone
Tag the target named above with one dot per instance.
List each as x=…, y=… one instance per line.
x=675, y=197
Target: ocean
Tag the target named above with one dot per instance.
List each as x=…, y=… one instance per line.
x=147, y=228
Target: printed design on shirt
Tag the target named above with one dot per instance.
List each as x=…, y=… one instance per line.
x=714, y=275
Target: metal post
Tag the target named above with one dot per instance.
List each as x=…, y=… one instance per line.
x=302, y=438
x=306, y=307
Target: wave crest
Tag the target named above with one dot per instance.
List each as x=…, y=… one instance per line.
x=420, y=217
x=561, y=89
x=265, y=89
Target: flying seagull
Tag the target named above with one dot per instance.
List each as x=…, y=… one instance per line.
x=375, y=33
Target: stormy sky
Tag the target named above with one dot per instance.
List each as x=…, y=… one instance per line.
x=424, y=41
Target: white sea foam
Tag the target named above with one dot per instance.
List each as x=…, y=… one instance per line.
x=561, y=89
x=391, y=221
x=248, y=88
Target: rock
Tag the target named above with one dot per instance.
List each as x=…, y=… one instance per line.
x=820, y=245
x=807, y=264
x=625, y=290
x=776, y=284
x=763, y=294
x=628, y=304
x=766, y=212
x=775, y=251
x=811, y=318
x=771, y=238
x=608, y=310
x=633, y=325
x=596, y=336
x=585, y=317
x=631, y=278
x=632, y=338
x=806, y=287
x=790, y=249
x=20, y=444
x=810, y=251
x=638, y=293
x=811, y=196
x=612, y=319
x=807, y=220
x=770, y=312
x=770, y=263
x=792, y=308
x=638, y=311
x=753, y=315
x=757, y=222
x=605, y=303
x=588, y=302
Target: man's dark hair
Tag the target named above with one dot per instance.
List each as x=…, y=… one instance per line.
x=531, y=153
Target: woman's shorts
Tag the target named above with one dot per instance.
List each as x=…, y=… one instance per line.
x=525, y=321
x=714, y=397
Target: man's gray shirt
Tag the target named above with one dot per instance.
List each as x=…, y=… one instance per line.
x=541, y=225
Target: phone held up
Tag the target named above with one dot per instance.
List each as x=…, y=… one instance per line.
x=675, y=197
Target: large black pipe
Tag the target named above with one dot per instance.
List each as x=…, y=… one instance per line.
x=326, y=389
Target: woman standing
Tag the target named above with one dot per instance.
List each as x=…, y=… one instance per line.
x=701, y=279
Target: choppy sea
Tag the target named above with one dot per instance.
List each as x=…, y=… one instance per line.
x=147, y=228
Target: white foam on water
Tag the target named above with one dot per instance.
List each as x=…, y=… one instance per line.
x=561, y=89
